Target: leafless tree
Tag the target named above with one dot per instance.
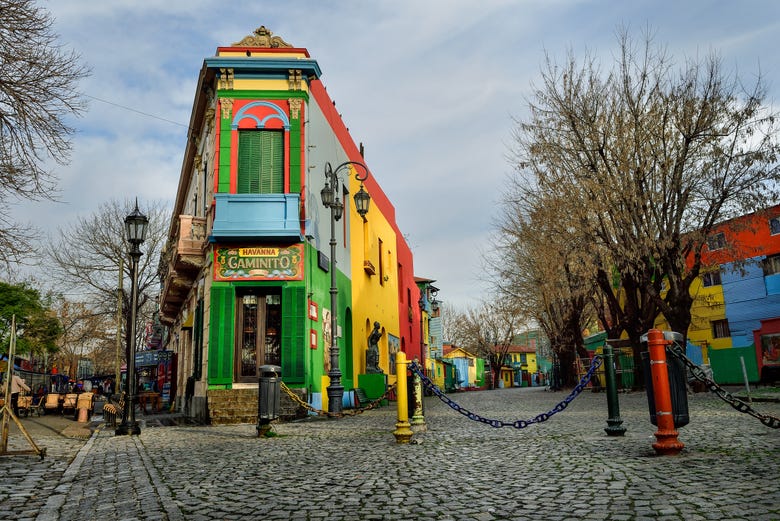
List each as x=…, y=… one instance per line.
x=450, y=324
x=87, y=334
x=88, y=255
x=487, y=331
x=38, y=93
x=542, y=264
x=649, y=157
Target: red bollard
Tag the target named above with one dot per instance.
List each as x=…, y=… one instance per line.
x=667, y=443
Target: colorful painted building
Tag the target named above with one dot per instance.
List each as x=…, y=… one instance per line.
x=523, y=369
x=431, y=325
x=735, y=316
x=469, y=368
x=246, y=273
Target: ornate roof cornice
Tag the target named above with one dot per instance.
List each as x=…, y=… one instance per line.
x=262, y=37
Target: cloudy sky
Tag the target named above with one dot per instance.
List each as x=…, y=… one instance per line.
x=432, y=88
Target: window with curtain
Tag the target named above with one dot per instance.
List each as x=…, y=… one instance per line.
x=720, y=329
x=711, y=278
x=260, y=162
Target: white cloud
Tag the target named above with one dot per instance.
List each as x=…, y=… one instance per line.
x=429, y=87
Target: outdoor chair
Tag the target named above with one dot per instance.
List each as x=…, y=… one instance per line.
x=37, y=406
x=24, y=403
x=69, y=403
x=52, y=402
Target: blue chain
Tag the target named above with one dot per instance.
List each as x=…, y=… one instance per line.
x=518, y=424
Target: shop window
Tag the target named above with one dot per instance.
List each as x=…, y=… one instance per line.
x=260, y=162
x=720, y=329
x=716, y=241
x=711, y=278
x=771, y=265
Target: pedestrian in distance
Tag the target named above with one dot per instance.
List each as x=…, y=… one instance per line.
x=17, y=385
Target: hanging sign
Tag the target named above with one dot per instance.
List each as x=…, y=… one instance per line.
x=152, y=358
x=258, y=263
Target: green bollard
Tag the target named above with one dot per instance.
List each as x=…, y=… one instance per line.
x=614, y=423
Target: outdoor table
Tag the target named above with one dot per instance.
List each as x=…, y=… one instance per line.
x=154, y=398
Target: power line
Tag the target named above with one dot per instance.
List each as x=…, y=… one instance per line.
x=135, y=110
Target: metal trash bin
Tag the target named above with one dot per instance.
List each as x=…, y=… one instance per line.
x=677, y=388
x=270, y=381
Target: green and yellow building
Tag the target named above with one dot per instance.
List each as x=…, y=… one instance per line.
x=246, y=274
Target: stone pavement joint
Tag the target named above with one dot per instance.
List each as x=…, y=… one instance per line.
x=54, y=503
x=566, y=468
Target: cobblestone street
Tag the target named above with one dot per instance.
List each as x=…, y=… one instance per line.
x=349, y=469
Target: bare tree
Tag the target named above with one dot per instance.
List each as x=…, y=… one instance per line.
x=450, y=321
x=86, y=335
x=541, y=264
x=37, y=94
x=89, y=253
x=487, y=331
x=650, y=159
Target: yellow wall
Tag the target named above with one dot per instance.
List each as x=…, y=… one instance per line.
x=373, y=300
x=530, y=361
x=508, y=377
x=708, y=305
x=437, y=374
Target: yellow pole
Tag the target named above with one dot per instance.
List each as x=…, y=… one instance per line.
x=403, y=432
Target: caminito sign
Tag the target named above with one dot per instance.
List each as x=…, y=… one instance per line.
x=259, y=263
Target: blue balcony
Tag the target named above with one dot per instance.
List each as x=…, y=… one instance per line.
x=256, y=216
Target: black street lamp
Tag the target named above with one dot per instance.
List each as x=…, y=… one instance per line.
x=135, y=227
x=330, y=199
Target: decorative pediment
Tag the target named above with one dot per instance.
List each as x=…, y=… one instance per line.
x=262, y=37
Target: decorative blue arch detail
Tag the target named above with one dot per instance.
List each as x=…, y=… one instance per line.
x=278, y=114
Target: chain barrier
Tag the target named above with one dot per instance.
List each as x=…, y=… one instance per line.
x=349, y=412
x=699, y=374
x=518, y=424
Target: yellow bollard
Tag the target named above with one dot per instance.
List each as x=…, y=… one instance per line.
x=403, y=432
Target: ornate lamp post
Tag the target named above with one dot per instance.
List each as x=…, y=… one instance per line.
x=135, y=228
x=330, y=199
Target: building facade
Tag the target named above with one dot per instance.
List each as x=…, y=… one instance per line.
x=735, y=316
x=246, y=274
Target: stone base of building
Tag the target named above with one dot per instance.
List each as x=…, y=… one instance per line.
x=233, y=406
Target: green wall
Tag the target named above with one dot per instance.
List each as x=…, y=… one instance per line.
x=727, y=367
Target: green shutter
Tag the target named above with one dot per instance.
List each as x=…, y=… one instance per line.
x=221, y=320
x=271, y=166
x=260, y=162
x=294, y=335
x=295, y=156
x=249, y=162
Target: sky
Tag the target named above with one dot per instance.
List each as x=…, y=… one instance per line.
x=433, y=89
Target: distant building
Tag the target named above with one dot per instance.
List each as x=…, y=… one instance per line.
x=522, y=367
x=735, y=316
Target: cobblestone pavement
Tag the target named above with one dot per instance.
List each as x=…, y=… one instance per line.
x=352, y=469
